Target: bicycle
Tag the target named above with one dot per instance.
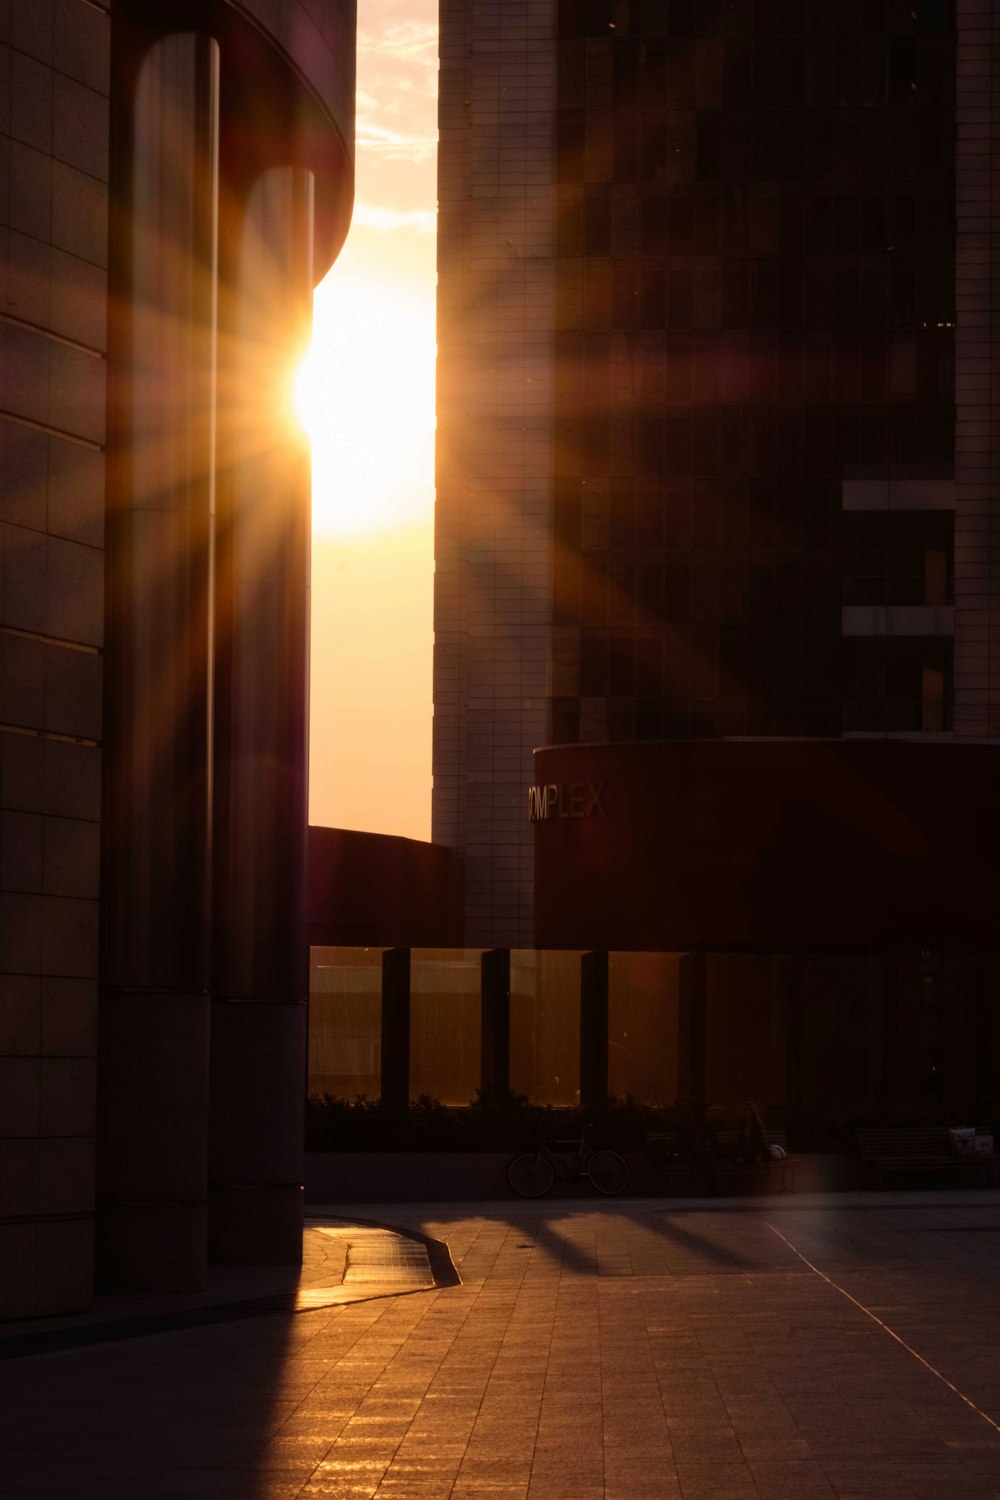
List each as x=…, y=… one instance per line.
x=532, y=1174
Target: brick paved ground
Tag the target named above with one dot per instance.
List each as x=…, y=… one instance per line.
x=615, y=1351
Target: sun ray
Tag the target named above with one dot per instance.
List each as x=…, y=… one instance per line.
x=365, y=395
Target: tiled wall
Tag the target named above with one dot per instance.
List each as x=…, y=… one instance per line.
x=54, y=141
x=977, y=374
x=318, y=36
x=54, y=57
x=492, y=607
x=755, y=294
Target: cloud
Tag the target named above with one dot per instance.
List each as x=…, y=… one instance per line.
x=399, y=145
x=377, y=216
x=415, y=40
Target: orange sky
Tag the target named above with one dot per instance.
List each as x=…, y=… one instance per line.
x=367, y=397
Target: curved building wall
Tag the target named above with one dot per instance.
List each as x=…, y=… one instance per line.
x=767, y=845
x=64, y=150
x=54, y=205
x=318, y=37
x=733, y=474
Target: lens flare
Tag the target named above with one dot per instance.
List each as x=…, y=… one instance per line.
x=364, y=393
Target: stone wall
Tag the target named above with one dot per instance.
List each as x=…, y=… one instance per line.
x=56, y=69
x=54, y=206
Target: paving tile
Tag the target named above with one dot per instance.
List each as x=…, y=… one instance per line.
x=636, y=1353
x=716, y=1481
x=499, y=1490
x=790, y=1479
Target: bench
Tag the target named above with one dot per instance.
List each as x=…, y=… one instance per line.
x=670, y=1153
x=783, y=1168
x=888, y=1150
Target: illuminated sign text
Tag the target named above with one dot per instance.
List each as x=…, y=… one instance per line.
x=573, y=799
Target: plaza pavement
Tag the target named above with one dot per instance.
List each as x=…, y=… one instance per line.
x=785, y=1348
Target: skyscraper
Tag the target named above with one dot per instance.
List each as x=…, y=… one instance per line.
x=717, y=411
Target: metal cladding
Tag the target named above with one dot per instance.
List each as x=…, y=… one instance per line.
x=769, y=845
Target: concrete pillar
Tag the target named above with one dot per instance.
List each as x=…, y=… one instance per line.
x=494, y=1071
x=892, y=1062
x=593, y=1028
x=153, y=1014
x=260, y=955
x=395, y=1083
x=984, y=977
x=692, y=1052
x=790, y=977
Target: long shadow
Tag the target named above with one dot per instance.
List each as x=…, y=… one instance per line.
x=691, y=1240
x=113, y=1330
x=127, y=1411
x=533, y=1220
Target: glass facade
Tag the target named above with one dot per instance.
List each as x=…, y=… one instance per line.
x=444, y=1023
x=643, y=994
x=755, y=273
x=821, y=1031
x=345, y=1028
x=545, y=1026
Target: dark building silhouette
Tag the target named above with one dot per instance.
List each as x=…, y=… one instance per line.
x=717, y=409
x=380, y=890
x=180, y=174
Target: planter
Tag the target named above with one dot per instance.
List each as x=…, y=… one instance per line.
x=405, y=1176
x=466, y=1176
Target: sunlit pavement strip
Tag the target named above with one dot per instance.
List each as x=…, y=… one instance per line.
x=341, y=1265
x=361, y=1262
x=377, y=1257
x=610, y=1351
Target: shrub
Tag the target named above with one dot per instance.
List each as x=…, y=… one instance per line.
x=504, y=1122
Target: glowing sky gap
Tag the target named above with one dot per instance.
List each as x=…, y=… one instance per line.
x=366, y=396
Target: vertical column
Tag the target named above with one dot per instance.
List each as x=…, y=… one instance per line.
x=593, y=1028
x=153, y=1013
x=495, y=1023
x=957, y=1034
x=493, y=543
x=691, y=1041
x=260, y=960
x=396, y=1026
x=892, y=1068
x=790, y=981
x=984, y=974
x=53, y=268
x=977, y=372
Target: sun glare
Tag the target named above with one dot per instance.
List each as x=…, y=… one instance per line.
x=365, y=395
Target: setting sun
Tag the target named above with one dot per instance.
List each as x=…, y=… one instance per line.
x=365, y=394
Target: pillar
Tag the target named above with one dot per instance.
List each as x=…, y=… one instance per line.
x=892, y=1063
x=985, y=974
x=395, y=1087
x=790, y=977
x=494, y=1071
x=260, y=959
x=593, y=1029
x=691, y=1048
x=153, y=1019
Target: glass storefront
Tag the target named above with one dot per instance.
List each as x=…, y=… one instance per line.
x=444, y=1023
x=345, y=1026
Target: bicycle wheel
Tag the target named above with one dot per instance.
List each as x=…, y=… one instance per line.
x=609, y=1172
x=530, y=1175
